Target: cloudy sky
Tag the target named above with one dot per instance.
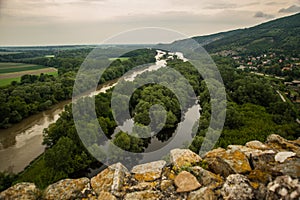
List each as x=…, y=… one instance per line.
x=44, y=22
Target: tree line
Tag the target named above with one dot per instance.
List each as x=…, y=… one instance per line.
x=38, y=93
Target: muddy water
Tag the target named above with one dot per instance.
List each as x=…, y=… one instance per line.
x=22, y=143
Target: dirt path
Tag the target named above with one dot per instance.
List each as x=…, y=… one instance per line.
x=282, y=98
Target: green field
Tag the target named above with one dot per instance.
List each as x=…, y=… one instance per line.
x=17, y=67
x=120, y=58
x=7, y=81
x=8, y=52
x=13, y=71
x=4, y=65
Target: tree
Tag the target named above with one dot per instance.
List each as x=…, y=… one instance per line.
x=122, y=140
x=60, y=156
x=6, y=179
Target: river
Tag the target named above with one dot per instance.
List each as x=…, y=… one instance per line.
x=22, y=143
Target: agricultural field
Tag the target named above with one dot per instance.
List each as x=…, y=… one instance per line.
x=8, y=52
x=13, y=71
x=120, y=58
x=18, y=67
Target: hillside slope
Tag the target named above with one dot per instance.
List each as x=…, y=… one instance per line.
x=202, y=40
x=280, y=35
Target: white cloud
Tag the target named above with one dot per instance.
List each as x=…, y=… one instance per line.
x=68, y=21
x=291, y=9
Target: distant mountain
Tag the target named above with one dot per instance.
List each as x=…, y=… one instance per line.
x=278, y=35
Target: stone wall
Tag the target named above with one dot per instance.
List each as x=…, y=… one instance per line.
x=254, y=171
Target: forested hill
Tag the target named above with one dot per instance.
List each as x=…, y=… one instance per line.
x=280, y=35
x=204, y=40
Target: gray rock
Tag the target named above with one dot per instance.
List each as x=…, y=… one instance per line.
x=237, y=187
x=257, y=145
x=66, y=189
x=234, y=158
x=110, y=180
x=23, y=191
x=263, y=161
x=147, y=194
x=120, y=173
x=282, y=156
x=250, y=152
x=204, y=193
x=174, y=196
x=258, y=176
x=281, y=144
x=206, y=177
x=260, y=192
x=284, y=187
x=167, y=185
x=183, y=157
x=149, y=171
x=290, y=167
x=106, y=196
x=186, y=182
x=142, y=186
x=218, y=166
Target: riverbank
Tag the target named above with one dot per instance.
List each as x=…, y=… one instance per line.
x=22, y=143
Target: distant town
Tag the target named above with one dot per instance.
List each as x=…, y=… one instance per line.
x=273, y=65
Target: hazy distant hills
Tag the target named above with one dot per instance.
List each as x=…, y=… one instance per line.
x=280, y=35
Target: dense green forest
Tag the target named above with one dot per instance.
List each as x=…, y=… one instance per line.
x=280, y=35
x=254, y=109
x=37, y=93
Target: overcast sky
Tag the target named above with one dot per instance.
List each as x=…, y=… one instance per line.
x=43, y=22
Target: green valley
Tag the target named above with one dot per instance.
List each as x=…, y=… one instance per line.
x=259, y=67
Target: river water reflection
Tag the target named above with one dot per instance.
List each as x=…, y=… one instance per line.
x=22, y=143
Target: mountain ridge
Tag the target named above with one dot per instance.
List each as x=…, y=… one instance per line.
x=277, y=35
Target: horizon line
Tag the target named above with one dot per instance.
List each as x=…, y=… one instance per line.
x=63, y=45
x=155, y=43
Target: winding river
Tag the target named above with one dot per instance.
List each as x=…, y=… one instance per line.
x=22, y=143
